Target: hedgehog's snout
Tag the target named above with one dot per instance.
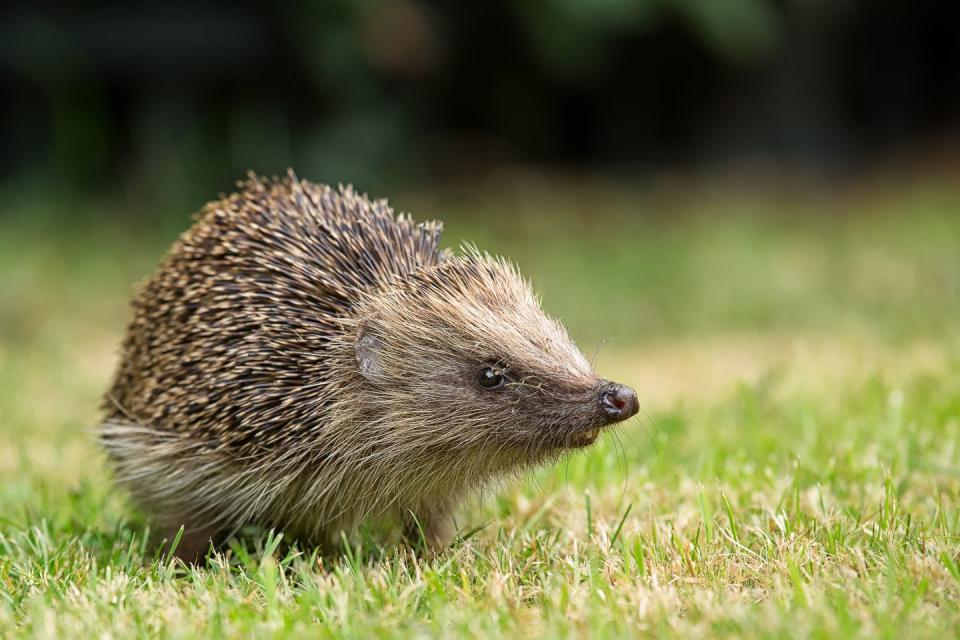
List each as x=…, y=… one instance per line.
x=618, y=402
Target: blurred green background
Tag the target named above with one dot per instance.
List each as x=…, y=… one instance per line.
x=620, y=150
x=162, y=105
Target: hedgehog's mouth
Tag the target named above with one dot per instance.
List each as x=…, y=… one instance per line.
x=582, y=439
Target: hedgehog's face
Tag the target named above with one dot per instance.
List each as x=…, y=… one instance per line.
x=462, y=355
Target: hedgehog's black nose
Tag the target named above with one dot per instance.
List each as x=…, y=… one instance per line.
x=618, y=402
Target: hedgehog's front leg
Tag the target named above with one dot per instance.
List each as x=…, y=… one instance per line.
x=194, y=542
x=431, y=525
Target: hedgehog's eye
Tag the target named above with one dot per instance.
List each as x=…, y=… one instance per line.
x=491, y=378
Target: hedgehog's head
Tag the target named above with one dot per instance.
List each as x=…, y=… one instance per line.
x=460, y=354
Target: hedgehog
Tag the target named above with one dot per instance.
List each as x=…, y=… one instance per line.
x=305, y=359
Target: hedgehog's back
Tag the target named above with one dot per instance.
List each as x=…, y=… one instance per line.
x=234, y=324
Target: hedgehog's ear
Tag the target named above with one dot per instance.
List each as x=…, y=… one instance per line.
x=369, y=351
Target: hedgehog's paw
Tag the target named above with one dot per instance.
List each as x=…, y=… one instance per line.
x=194, y=543
x=431, y=528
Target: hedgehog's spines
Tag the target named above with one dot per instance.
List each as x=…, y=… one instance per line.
x=239, y=398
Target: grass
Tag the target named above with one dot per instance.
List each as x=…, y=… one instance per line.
x=796, y=472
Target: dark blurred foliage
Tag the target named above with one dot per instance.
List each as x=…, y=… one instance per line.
x=164, y=99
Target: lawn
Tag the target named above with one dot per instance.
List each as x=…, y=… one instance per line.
x=795, y=471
